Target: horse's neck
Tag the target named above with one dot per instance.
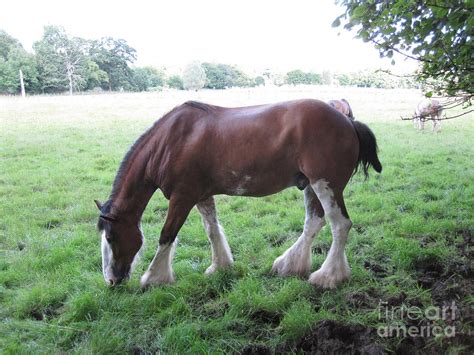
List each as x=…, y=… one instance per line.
x=133, y=193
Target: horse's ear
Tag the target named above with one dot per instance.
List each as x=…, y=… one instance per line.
x=98, y=204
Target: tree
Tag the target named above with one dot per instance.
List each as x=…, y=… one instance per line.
x=14, y=58
x=194, y=76
x=7, y=42
x=60, y=60
x=145, y=78
x=259, y=81
x=95, y=77
x=438, y=34
x=175, y=82
x=297, y=77
x=113, y=56
x=222, y=76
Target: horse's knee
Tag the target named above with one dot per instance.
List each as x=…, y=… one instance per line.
x=167, y=239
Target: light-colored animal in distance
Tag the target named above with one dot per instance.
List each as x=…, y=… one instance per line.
x=343, y=107
x=428, y=109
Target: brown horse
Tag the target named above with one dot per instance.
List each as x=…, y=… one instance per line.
x=343, y=107
x=197, y=151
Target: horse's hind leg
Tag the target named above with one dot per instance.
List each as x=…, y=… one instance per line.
x=221, y=254
x=437, y=122
x=160, y=270
x=335, y=268
x=297, y=259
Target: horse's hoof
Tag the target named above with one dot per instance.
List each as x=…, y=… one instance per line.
x=210, y=270
x=289, y=264
x=148, y=280
x=214, y=267
x=325, y=279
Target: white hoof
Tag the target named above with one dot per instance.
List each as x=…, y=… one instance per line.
x=292, y=262
x=214, y=267
x=211, y=269
x=329, y=278
x=153, y=280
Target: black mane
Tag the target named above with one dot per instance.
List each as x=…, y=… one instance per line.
x=198, y=105
x=125, y=161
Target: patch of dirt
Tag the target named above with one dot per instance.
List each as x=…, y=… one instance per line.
x=256, y=349
x=466, y=246
x=429, y=269
x=331, y=337
x=449, y=284
x=363, y=299
x=397, y=300
x=463, y=343
x=267, y=317
x=378, y=270
x=43, y=314
x=451, y=288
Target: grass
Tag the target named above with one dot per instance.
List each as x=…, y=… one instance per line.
x=411, y=243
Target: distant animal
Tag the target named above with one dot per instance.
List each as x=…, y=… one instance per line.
x=197, y=151
x=428, y=109
x=342, y=106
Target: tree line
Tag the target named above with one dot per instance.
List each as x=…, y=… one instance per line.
x=61, y=63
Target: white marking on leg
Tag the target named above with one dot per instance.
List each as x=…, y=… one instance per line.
x=335, y=268
x=160, y=270
x=137, y=257
x=296, y=260
x=107, y=257
x=221, y=253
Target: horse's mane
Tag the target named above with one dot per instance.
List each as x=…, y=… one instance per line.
x=198, y=105
x=125, y=161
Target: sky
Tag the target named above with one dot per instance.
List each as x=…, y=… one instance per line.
x=255, y=35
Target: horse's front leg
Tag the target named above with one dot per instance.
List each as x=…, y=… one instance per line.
x=297, y=259
x=221, y=254
x=160, y=270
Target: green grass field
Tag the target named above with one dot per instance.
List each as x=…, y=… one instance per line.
x=411, y=244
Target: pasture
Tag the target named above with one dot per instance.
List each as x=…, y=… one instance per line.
x=411, y=246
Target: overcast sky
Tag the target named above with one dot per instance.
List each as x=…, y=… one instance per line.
x=253, y=34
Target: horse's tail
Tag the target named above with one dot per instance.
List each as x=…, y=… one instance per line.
x=350, y=114
x=367, y=149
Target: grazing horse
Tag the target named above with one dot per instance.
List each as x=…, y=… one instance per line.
x=343, y=107
x=197, y=151
x=425, y=110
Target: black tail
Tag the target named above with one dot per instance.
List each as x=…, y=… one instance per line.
x=367, y=149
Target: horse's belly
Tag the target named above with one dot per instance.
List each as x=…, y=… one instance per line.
x=259, y=184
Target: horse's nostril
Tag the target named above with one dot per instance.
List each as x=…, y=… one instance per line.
x=111, y=282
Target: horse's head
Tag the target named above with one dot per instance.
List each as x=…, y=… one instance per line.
x=121, y=241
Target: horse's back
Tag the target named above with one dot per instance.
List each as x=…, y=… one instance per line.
x=236, y=150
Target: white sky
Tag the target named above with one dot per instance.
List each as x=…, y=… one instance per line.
x=255, y=35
